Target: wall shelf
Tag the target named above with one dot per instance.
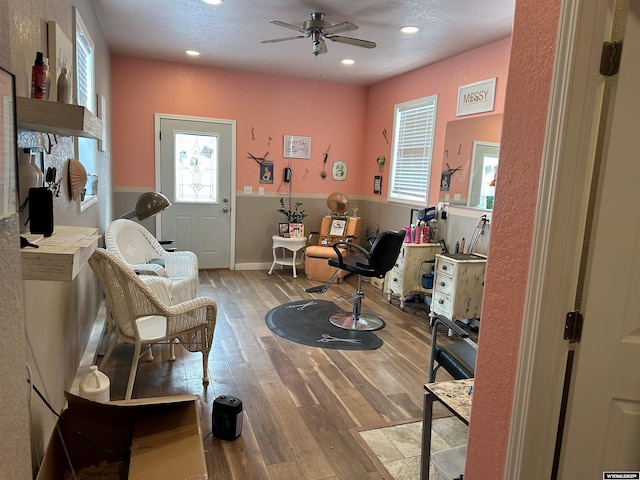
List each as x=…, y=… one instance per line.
x=57, y=118
x=60, y=256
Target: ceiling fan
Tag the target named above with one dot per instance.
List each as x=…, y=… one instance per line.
x=318, y=29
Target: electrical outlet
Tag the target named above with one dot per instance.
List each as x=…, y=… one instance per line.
x=248, y=189
x=260, y=190
x=456, y=197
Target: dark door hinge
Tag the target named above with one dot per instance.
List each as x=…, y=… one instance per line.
x=573, y=326
x=610, y=59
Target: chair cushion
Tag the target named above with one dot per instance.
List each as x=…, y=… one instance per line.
x=458, y=358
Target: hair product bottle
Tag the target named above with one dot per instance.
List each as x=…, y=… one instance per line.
x=64, y=90
x=39, y=78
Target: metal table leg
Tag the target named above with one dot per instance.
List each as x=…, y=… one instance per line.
x=427, y=417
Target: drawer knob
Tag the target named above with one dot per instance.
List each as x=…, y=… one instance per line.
x=440, y=302
x=442, y=284
x=444, y=267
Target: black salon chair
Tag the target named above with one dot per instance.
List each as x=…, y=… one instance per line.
x=452, y=348
x=373, y=263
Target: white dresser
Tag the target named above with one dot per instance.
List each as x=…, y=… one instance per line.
x=414, y=260
x=458, y=285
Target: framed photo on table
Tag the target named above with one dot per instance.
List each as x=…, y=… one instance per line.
x=283, y=230
x=338, y=227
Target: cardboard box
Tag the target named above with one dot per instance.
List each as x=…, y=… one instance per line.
x=161, y=437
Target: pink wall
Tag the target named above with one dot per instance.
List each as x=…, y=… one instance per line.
x=525, y=117
x=442, y=78
x=272, y=106
x=351, y=118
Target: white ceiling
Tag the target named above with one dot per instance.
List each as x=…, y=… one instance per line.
x=229, y=35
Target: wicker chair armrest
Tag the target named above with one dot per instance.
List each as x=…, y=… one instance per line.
x=190, y=305
x=149, y=269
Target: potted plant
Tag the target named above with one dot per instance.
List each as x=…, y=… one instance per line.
x=293, y=226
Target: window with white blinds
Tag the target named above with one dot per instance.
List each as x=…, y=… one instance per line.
x=414, y=129
x=85, y=90
x=85, y=94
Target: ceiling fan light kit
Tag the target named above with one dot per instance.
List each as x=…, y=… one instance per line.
x=318, y=29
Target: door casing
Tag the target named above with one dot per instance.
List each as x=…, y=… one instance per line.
x=158, y=159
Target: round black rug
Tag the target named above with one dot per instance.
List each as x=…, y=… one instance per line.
x=307, y=322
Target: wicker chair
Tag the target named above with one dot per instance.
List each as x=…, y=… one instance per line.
x=134, y=244
x=143, y=314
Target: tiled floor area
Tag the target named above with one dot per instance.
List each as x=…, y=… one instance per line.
x=398, y=447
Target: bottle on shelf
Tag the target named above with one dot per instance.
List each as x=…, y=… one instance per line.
x=39, y=78
x=64, y=87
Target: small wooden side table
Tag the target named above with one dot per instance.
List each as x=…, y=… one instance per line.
x=456, y=395
x=293, y=244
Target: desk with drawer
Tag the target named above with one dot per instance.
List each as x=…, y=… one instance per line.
x=458, y=285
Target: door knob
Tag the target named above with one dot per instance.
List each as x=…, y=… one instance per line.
x=225, y=209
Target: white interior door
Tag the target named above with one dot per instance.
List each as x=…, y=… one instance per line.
x=602, y=429
x=196, y=175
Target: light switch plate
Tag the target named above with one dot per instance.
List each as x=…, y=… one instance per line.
x=248, y=189
x=260, y=190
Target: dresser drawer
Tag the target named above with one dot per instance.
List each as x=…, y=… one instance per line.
x=395, y=281
x=446, y=266
x=399, y=265
x=443, y=283
x=441, y=303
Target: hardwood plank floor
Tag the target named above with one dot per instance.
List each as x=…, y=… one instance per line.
x=301, y=404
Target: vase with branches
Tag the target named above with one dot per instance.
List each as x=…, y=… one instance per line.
x=295, y=214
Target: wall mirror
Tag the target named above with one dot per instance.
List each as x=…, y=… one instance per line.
x=470, y=162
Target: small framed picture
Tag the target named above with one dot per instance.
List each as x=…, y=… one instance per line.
x=266, y=172
x=296, y=147
x=284, y=230
x=445, y=181
x=338, y=226
x=296, y=230
x=377, y=184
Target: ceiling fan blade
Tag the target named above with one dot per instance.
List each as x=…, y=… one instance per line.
x=353, y=41
x=274, y=40
x=340, y=27
x=287, y=25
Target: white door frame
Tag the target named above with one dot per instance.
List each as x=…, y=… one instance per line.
x=232, y=124
x=568, y=159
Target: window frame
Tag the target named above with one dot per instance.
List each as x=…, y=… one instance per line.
x=398, y=187
x=86, y=148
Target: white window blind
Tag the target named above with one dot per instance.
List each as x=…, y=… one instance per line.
x=85, y=93
x=414, y=128
x=84, y=66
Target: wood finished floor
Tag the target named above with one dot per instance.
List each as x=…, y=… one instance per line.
x=303, y=406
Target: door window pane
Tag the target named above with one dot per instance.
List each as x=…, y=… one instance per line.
x=196, y=168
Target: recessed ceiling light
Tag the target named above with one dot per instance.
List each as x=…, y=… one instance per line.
x=409, y=29
x=213, y=2
x=348, y=61
x=192, y=53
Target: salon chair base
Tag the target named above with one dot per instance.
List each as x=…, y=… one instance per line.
x=364, y=322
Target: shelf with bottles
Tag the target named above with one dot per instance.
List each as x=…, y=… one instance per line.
x=58, y=118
